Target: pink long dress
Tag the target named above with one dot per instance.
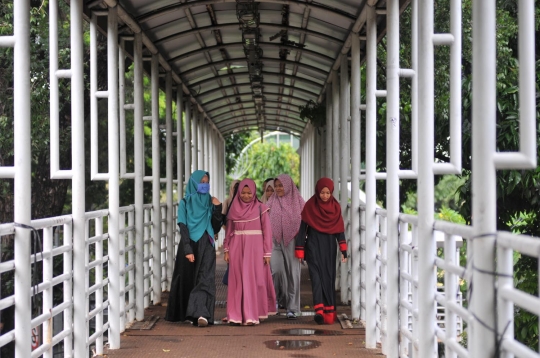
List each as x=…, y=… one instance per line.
x=251, y=295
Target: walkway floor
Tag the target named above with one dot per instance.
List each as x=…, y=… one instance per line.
x=275, y=337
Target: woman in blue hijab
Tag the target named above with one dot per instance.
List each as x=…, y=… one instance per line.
x=193, y=287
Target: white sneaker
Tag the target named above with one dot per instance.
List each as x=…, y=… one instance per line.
x=202, y=322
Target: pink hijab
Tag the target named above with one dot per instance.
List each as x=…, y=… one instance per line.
x=285, y=211
x=246, y=211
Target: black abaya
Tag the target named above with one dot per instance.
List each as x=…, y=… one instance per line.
x=193, y=286
x=320, y=251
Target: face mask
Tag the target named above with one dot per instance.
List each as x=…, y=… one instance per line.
x=203, y=188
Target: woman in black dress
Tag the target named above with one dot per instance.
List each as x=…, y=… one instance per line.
x=193, y=287
x=321, y=230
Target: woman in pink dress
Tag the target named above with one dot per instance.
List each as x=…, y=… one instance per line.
x=248, y=247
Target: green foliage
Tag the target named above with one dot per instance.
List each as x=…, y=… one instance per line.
x=234, y=143
x=269, y=160
x=314, y=112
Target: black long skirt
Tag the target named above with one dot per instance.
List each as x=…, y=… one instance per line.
x=320, y=253
x=193, y=287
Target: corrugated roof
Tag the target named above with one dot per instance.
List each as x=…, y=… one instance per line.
x=297, y=44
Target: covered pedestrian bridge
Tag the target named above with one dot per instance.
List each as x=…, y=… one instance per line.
x=227, y=66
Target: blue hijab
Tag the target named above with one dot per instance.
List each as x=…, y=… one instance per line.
x=195, y=210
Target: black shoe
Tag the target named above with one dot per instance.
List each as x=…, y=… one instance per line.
x=319, y=319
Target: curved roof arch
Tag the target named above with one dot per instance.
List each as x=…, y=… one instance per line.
x=239, y=72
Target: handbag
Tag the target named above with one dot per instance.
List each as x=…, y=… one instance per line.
x=225, y=279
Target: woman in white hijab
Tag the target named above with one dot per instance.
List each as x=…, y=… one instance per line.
x=268, y=190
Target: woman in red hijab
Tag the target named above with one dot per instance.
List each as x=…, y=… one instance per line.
x=321, y=230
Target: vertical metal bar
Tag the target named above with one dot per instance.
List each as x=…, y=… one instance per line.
x=207, y=144
x=78, y=181
x=385, y=341
x=146, y=263
x=156, y=186
x=195, y=147
x=414, y=85
x=22, y=179
x=87, y=277
x=99, y=281
x=121, y=270
x=392, y=181
x=483, y=341
x=335, y=132
x=179, y=142
x=138, y=101
x=68, y=287
x=403, y=288
x=363, y=243
x=427, y=245
x=450, y=292
x=114, y=180
x=53, y=83
x=505, y=307
x=131, y=273
x=455, y=85
x=169, y=170
x=355, y=174
x=329, y=136
x=164, y=238
x=202, y=140
x=47, y=296
x=527, y=81
x=121, y=104
x=372, y=244
x=188, y=148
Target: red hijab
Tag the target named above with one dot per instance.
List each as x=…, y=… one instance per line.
x=323, y=216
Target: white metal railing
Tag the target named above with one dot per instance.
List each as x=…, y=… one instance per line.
x=52, y=302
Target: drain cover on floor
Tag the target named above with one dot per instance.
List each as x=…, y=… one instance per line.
x=292, y=344
x=147, y=323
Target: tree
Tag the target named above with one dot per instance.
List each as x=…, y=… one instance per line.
x=234, y=143
x=268, y=160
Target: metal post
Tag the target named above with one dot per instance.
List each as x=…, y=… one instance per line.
x=355, y=174
x=344, y=155
x=156, y=187
x=114, y=179
x=202, y=142
x=179, y=142
x=329, y=135
x=372, y=242
x=131, y=273
x=207, y=151
x=188, y=148
x=426, y=243
x=335, y=132
x=392, y=180
x=68, y=286
x=98, y=225
x=169, y=173
x=138, y=100
x=195, y=139
x=483, y=341
x=78, y=182
x=450, y=292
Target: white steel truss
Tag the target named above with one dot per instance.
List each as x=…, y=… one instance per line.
x=390, y=279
